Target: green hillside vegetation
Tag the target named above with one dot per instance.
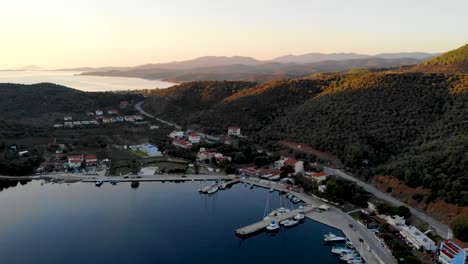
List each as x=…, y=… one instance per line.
x=410, y=125
x=180, y=101
x=44, y=100
x=459, y=55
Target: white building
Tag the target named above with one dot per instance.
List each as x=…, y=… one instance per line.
x=99, y=112
x=67, y=118
x=234, y=131
x=413, y=236
x=317, y=176
x=176, y=134
x=194, y=138
x=297, y=165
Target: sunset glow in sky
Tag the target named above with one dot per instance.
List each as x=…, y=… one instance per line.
x=67, y=33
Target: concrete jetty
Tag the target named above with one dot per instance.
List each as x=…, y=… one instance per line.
x=160, y=178
x=259, y=226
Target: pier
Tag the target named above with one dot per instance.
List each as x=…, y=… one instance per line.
x=161, y=178
x=259, y=226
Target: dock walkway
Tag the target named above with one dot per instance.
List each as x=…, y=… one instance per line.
x=259, y=226
x=162, y=178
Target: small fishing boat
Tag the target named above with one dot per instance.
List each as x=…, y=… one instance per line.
x=114, y=182
x=331, y=238
x=272, y=226
x=99, y=183
x=272, y=190
x=295, y=200
x=289, y=222
x=341, y=251
x=212, y=190
x=299, y=216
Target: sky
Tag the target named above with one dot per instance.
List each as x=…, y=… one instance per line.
x=76, y=33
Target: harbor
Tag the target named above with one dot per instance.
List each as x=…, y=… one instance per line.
x=262, y=225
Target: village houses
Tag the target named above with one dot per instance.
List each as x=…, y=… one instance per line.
x=234, y=131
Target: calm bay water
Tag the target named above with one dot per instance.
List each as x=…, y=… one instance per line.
x=81, y=82
x=155, y=223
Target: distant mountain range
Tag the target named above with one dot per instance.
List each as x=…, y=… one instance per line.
x=249, y=69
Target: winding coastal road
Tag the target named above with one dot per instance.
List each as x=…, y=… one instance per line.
x=442, y=229
x=143, y=112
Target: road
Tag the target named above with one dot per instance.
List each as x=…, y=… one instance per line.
x=143, y=112
x=442, y=229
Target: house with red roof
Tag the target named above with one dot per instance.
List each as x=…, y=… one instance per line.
x=248, y=172
x=297, y=165
x=316, y=176
x=234, y=131
x=75, y=161
x=124, y=104
x=181, y=143
x=194, y=137
x=91, y=160
x=453, y=251
x=112, y=112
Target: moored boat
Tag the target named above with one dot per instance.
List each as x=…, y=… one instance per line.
x=299, y=216
x=331, y=238
x=99, y=183
x=212, y=190
x=289, y=222
x=272, y=226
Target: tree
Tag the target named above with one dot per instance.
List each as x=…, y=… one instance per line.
x=402, y=211
x=261, y=161
x=332, y=188
x=460, y=228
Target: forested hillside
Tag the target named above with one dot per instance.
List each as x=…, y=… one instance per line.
x=44, y=99
x=411, y=125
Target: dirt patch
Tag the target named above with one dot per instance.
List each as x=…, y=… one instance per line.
x=324, y=156
x=439, y=209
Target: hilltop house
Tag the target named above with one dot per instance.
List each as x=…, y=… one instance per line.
x=99, y=112
x=123, y=104
x=112, y=112
x=297, y=165
x=178, y=142
x=176, y=134
x=89, y=113
x=234, y=131
x=67, y=118
x=316, y=176
x=194, y=137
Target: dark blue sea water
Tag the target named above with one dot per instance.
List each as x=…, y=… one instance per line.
x=155, y=223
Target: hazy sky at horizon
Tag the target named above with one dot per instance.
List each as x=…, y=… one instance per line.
x=74, y=33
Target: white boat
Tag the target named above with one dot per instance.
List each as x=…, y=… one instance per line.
x=349, y=245
x=99, y=183
x=349, y=256
x=272, y=190
x=289, y=196
x=272, y=226
x=331, y=238
x=341, y=251
x=282, y=210
x=295, y=200
x=289, y=222
x=212, y=190
x=299, y=216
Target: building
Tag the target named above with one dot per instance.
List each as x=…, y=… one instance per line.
x=68, y=124
x=178, y=142
x=67, y=118
x=413, y=236
x=123, y=104
x=151, y=150
x=317, y=176
x=234, y=131
x=91, y=160
x=58, y=125
x=75, y=161
x=129, y=118
x=248, y=172
x=208, y=155
x=297, y=165
x=176, y=134
x=138, y=117
x=112, y=112
x=453, y=251
x=119, y=119
x=106, y=120
x=194, y=138
x=89, y=113
x=99, y=112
